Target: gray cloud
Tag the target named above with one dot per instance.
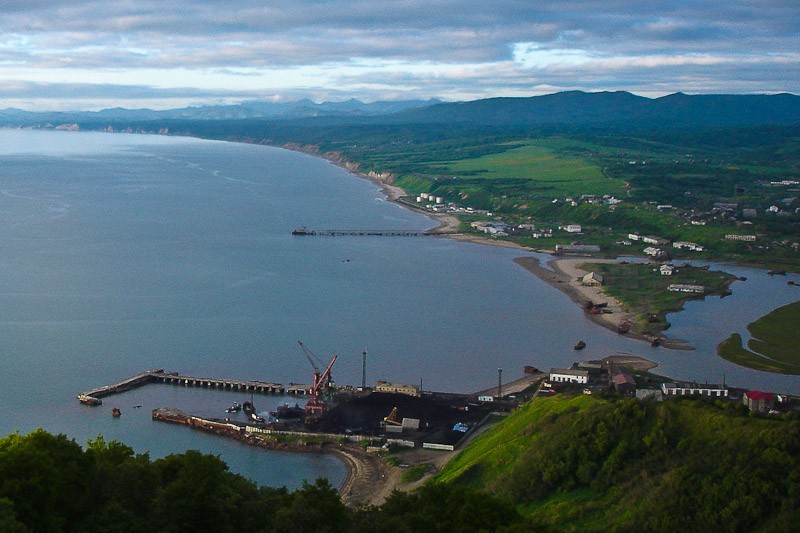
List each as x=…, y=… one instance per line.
x=525, y=44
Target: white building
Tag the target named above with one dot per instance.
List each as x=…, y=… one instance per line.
x=678, y=287
x=652, y=239
x=686, y=389
x=689, y=246
x=573, y=228
x=667, y=270
x=655, y=252
x=569, y=375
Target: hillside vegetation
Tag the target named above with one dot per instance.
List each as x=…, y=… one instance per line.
x=585, y=463
x=557, y=464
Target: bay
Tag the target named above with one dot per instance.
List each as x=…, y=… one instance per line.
x=120, y=253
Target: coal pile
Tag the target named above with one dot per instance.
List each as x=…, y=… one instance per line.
x=437, y=414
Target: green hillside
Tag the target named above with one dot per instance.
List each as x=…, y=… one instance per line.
x=585, y=463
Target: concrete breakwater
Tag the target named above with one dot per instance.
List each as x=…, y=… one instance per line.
x=94, y=396
x=366, y=473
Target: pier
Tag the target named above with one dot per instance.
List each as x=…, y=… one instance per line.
x=94, y=396
x=360, y=232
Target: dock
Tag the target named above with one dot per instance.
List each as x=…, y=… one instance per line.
x=360, y=232
x=95, y=396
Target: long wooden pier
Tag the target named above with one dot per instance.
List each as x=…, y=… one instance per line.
x=94, y=396
x=360, y=232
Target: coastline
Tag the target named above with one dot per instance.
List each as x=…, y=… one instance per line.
x=564, y=273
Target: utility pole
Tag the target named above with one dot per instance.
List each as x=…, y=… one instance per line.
x=364, y=370
x=499, y=383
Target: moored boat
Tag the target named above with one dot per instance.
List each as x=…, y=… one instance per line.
x=580, y=345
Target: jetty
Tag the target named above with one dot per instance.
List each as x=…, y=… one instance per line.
x=95, y=396
x=360, y=232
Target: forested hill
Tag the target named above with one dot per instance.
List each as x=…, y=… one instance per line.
x=593, y=464
x=613, y=109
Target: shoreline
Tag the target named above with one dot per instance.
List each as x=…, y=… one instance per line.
x=564, y=273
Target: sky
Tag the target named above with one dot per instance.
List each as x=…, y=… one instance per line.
x=161, y=54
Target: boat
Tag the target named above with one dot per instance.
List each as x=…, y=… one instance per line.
x=580, y=345
x=235, y=408
x=116, y=413
x=250, y=410
x=622, y=329
x=655, y=342
x=89, y=400
x=286, y=411
x=302, y=230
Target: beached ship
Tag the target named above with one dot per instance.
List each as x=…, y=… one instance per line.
x=250, y=410
x=286, y=411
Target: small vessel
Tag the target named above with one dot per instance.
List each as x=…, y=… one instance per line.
x=235, y=408
x=655, y=342
x=580, y=345
x=250, y=410
x=116, y=413
x=622, y=329
x=286, y=411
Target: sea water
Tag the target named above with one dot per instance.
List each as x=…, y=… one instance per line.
x=120, y=253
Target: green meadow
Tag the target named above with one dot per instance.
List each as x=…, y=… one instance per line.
x=774, y=343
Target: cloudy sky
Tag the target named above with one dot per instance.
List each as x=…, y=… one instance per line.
x=85, y=54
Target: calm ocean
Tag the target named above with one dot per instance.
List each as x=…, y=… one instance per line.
x=120, y=253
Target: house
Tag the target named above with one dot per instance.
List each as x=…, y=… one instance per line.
x=623, y=382
x=688, y=246
x=671, y=390
x=680, y=287
x=396, y=388
x=655, y=252
x=486, y=398
x=735, y=237
x=573, y=228
x=592, y=279
x=761, y=402
x=667, y=270
x=652, y=239
x=569, y=375
x=577, y=248
x=634, y=236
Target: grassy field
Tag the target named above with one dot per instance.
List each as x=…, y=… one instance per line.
x=583, y=463
x=774, y=346
x=643, y=290
x=547, y=172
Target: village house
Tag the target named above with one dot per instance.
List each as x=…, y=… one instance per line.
x=623, y=382
x=761, y=402
x=667, y=270
x=746, y=238
x=652, y=239
x=397, y=388
x=672, y=390
x=592, y=279
x=688, y=246
x=573, y=228
x=577, y=248
x=634, y=236
x=680, y=287
x=655, y=252
x=569, y=375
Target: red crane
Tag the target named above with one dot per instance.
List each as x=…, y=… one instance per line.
x=322, y=382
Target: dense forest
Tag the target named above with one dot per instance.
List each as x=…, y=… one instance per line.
x=581, y=464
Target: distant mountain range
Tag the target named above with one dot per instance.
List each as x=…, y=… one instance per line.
x=247, y=110
x=614, y=108
x=573, y=108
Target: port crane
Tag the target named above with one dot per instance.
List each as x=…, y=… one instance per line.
x=322, y=382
